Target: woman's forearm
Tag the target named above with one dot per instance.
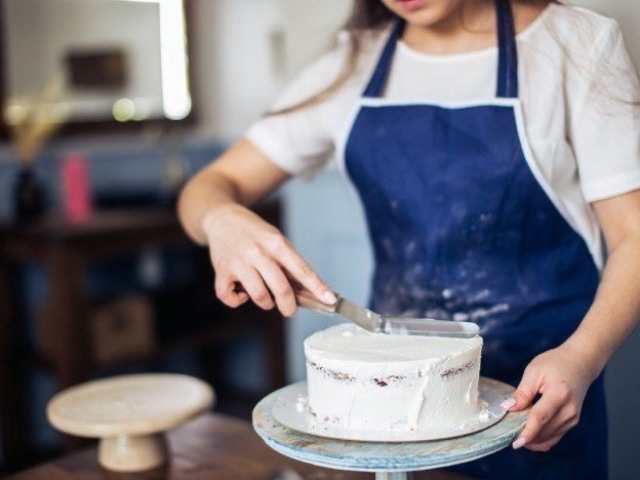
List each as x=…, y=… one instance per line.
x=200, y=198
x=242, y=175
x=616, y=309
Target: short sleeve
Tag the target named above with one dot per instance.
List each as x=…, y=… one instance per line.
x=301, y=141
x=604, y=128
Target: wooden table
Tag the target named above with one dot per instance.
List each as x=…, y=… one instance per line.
x=66, y=249
x=209, y=447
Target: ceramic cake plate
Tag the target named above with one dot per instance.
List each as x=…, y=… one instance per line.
x=284, y=423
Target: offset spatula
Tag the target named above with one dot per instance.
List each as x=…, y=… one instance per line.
x=374, y=322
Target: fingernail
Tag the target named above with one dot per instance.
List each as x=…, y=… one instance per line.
x=519, y=443
x=330, y=297
x=508, y=403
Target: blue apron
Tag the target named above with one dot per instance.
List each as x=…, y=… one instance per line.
x=464, y=227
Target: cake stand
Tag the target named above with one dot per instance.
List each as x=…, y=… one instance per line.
x=130, y=415
x=389, y=460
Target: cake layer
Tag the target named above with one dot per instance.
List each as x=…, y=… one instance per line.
x=374, y=381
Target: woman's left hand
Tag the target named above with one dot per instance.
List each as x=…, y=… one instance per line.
x=562, y=377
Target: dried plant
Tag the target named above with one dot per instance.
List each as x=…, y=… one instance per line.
x=34, y=120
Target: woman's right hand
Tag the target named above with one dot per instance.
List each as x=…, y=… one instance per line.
x=246, y=250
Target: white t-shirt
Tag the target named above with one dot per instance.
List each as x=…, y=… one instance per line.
x=578, y=88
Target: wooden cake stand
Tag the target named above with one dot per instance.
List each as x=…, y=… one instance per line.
x=130, y=415
x=389, y=460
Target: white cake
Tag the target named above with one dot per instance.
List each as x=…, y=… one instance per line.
x=378, y=382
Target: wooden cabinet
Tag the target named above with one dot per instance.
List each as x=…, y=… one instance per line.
x=66, y=250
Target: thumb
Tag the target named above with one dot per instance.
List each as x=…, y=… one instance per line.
x=524, y=394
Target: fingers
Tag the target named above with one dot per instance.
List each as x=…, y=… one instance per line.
x=546, y=446
x=567, y=418
x=254, y=285
x=302, y=272
x=522, y=398
x=227, y=293
x=262, y=280
x=542, y=413
x=524, y=394
x=264, y=262
x=278, y=285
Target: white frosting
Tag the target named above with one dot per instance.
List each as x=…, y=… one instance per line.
x=374, y=381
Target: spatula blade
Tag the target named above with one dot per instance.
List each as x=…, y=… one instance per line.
x=361, y=316
x=430, y=327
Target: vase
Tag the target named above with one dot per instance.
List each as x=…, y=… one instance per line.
x=28, y=196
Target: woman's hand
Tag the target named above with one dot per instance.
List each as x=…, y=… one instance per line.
x=247, y=250
x=562, y=377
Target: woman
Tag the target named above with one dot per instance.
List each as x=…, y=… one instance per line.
x=489, y=142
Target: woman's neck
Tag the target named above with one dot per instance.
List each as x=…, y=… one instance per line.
x=468, y=27
x=471, y=27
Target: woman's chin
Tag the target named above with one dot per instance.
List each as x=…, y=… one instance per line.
x=423, y=13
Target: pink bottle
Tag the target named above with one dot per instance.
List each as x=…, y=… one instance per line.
x=76, y=188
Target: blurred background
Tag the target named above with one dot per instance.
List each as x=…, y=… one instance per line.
x=109, y=106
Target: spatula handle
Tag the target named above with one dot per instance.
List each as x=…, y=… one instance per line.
x=304, y=298
x=307, y=300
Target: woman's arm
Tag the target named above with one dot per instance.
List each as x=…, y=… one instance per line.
x=616, y=309
x=242, y=175
x=245, y=249
x=563, y=375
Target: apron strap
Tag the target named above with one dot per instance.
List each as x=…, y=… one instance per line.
x=507, y=56
x=507, y=51
x=379, y=78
